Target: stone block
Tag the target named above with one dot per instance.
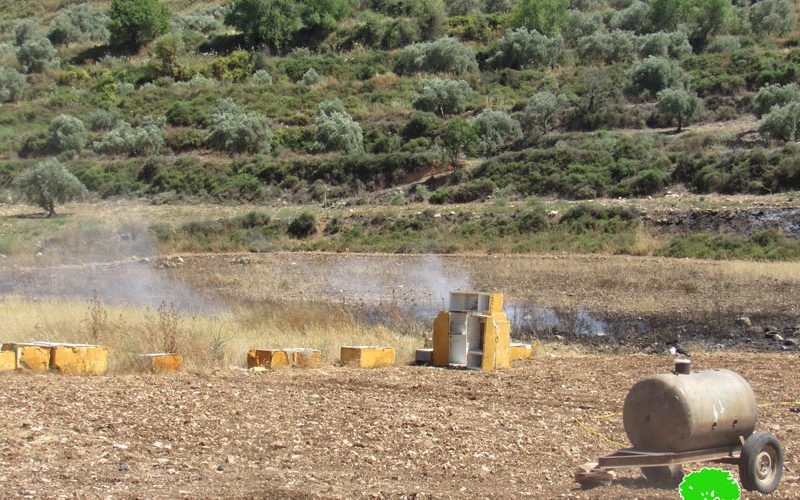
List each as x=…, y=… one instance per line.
x=267, y=358
x=519, y=351
x=78, y=359
x=30, y=356
x=162, y=362
x=424, y=356
x=8, y=361
x=367, y=356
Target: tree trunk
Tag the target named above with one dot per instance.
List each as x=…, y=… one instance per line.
x=52, y=210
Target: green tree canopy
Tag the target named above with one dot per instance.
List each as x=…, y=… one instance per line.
x=544, y=16
x=679, y=105
x=135, y=22
x=271, y=23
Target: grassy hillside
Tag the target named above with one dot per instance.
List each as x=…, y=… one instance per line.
x=451, y=102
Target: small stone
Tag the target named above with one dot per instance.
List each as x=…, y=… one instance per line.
x=790, y=342
x=744, y=321
x=220, y=468
x=230, y=459
x=123, y=467
x=777, y=338
x=770, y=334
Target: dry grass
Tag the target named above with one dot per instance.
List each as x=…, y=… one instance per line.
x=205, y=341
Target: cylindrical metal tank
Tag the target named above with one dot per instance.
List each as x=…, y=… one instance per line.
x=683, y=412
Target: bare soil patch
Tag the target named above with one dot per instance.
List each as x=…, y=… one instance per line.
x=405, y=432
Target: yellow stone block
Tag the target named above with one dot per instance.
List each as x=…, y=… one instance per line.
x=267, y=358
x=519, y=351
x=78, y=359
x=8, y=361
x=441, y=339
x=367, y=356
x=305, y=358
x=163, y=362
x=30, y=356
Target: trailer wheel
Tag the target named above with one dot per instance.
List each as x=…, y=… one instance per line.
x=761, y=463
x=664, y=475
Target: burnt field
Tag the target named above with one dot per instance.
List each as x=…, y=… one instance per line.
x=402, y=432
x=608, y=302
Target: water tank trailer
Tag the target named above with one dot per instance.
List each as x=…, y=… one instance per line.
x=688, y=417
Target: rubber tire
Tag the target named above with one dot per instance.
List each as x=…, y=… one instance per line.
x=664, y=475
x=757, y=443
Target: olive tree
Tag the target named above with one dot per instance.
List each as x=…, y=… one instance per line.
x=495, y=130
x=147, y=138
x=232, y=129
x=635, y=18
x=66, y=133
x=774, y=95
x=544, y=111
x=457, y=137
x=12, y=84
x=25, y=30
x=49, y=183
x=336, y=130
x=79, y=23
x=781, y=123
x=521, y=48
x=445, y=55
x=442, y=96
x=773, y=17
x=679, y=105
x=654, y=74
x=36, y=55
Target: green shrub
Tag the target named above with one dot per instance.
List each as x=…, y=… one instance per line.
x=232, y=129
x=135, y=22
x=236, y=67
x=12, y=85
x=521, y=48
x=262, y=78
x=635, y=17
x=533, y=220
x=442, y=96
x=103, y=119
x=495, y=130
x=185, y=114
x=609, y=48
x=544, y=16
x=421, y=124
x=206, y=20
x=310, y=77
x=446, y=55
x=474, y=190
x=647, y=182
x=580, y=25
x=724, y=43
x=674, y=45
x=266, y=22
x=302, y=226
